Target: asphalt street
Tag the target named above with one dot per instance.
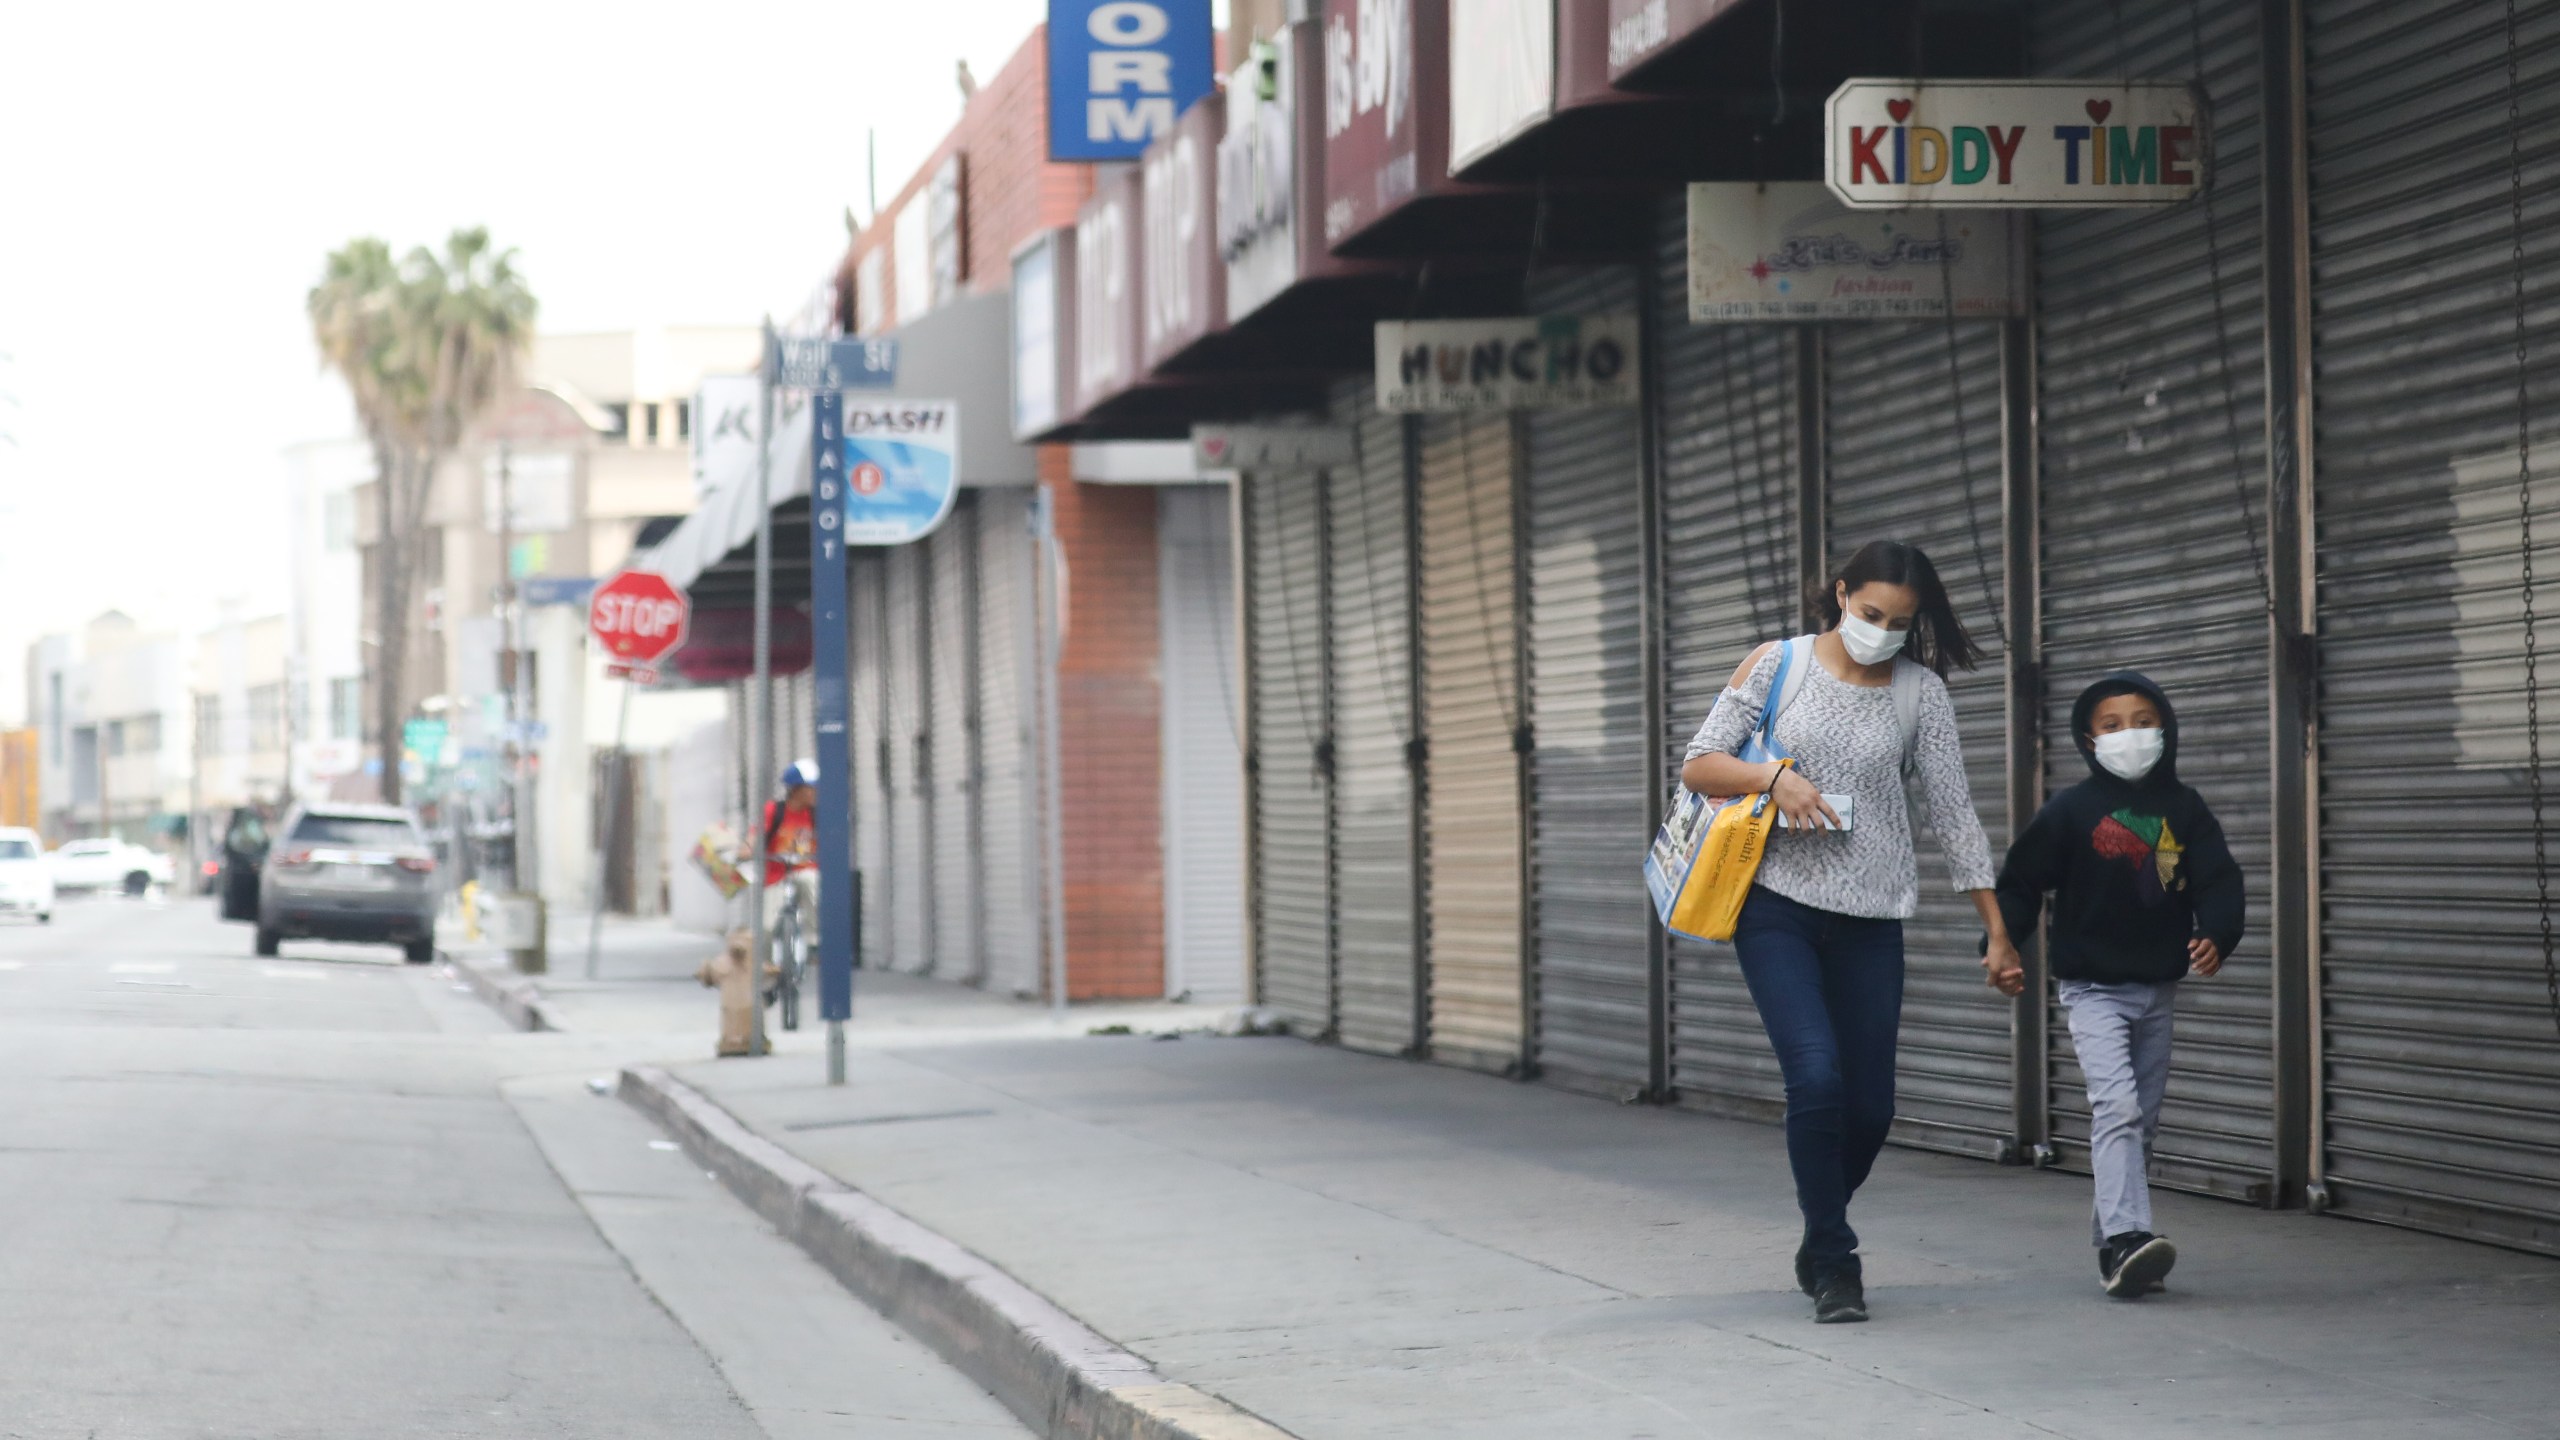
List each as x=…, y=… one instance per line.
x=329, y=1195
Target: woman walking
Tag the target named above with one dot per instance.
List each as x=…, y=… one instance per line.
x=1820, y=938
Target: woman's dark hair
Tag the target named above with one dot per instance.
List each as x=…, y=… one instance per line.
x=1937, y=638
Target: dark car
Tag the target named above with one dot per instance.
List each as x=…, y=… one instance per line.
x=350, y=872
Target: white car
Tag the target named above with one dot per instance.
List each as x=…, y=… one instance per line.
x=107, y=864
x=26, y=884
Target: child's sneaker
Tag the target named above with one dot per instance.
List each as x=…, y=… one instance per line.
x=2135, y=1263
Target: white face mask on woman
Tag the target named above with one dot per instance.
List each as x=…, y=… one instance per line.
x=2130, y=754
x=1870, y=644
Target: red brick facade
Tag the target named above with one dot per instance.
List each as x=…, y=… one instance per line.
x=1111, y=711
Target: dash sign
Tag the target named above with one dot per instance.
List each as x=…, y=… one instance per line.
x=1121, y=72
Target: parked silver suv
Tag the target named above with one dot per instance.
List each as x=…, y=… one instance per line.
x=349, y=872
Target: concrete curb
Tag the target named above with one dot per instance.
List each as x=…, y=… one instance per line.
x=1065, y=1381
x=519, y=1002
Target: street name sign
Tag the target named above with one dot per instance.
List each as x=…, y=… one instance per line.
x=1897, y=144
x=800, y=364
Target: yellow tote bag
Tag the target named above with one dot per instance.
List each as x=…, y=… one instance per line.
x=1708, y=851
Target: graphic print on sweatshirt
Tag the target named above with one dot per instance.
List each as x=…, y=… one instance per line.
x=2146, y=843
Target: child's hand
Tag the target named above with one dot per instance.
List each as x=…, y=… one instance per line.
x=2204, y=957
x=2002, y=969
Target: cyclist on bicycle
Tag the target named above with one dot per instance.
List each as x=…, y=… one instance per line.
x=791, y=849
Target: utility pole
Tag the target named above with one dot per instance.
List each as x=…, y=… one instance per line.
x=760, y=705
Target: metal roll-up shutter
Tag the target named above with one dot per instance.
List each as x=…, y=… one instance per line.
x=1008, y=808
x=1292, y=787
x=1591, y=762
x=865, y=617
x=2152, y=425
x=2441, y=1073
x=1911, y=419
x=953, y=626
x=1728, y=572
x=1472, y=706
x=1370, y=619
x=910, y=701
x=1203, y=746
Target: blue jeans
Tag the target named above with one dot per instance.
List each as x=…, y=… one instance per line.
x=1829, y=990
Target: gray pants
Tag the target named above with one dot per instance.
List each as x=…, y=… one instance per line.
x=2122, y=1034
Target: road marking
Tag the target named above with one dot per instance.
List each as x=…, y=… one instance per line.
x=142, y=967
x=280, y=972
x=160, y=984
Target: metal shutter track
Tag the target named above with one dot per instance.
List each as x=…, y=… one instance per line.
x=1370, y=621
x=1895, y=473
x=1471, y=706
x=867, y=592
x=1590, y=767
x=1292, y=794
x=1728, y=534
x=1203, y=752
x=956, y=955
x=910, y=702
x=2145, y=560
x=2442, y=1075
x=1008, y=812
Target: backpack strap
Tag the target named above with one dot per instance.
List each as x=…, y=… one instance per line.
x=1794, y=663
x=1910, y=682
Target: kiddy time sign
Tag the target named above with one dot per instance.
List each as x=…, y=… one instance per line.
x=2046, y=144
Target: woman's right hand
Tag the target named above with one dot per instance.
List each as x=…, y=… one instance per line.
x=1801, y=802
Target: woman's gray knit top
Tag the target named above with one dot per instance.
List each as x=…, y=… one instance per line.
x=1847, y=741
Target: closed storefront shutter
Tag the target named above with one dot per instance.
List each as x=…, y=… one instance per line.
x=910, y=702
x=1472, y=707
x=1371, y=618
x=951, y=624
x=1729, y=545
x=2152, y=429
x=1203, y=747
x=1911, y=419
x=2441, y=1083
x=1008, y=808
x=1590, y=766
x=867, y=617
x=1292, y=786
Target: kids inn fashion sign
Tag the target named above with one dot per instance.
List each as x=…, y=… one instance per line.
x=2042, y=144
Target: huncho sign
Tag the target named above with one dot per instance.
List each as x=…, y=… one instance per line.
x=2044, y=144
x=1529, y=363
x=1789, y=251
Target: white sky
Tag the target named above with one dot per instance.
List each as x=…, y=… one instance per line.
x=171, y=176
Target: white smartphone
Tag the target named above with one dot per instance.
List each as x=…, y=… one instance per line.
x=1844, y=806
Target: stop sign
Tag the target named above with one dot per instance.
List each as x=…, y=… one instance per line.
x=638, y=617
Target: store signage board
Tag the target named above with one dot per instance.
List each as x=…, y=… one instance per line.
x=1107, y=283
x=1043, y=281
x=1641, y=29
x=824, y=364
x=1509, y=81
x=1533, y=362
x=1121, y=72
x=1789, y=250
x=724, y=430
x=1183, y=288
x=896, y=469
x=1386, y=112
x=1271, y=447
x=2027, y=144
x=1257, y=184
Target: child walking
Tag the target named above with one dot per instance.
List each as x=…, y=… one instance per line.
x=2144, y=893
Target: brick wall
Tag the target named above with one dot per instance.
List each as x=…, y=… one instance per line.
x=1110, y=714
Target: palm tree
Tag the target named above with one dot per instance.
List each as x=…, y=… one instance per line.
x=426, y=347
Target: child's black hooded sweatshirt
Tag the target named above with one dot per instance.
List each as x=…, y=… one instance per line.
x=2136, y=868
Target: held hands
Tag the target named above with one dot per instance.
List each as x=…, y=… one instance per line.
x=2204, y=957
x=2002, y=968
x=1801, y=802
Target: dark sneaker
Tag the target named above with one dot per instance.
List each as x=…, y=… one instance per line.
x=1804, y=1270
x=1839, y=1295
x=2135, y=1263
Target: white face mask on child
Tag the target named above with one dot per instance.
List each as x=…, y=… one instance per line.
x=2130, y=754
x=1870, y=644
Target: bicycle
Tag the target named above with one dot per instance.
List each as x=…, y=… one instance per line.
x=789, y=944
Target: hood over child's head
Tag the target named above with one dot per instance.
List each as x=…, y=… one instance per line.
x=2139, y=689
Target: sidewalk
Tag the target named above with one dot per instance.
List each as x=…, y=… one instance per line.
x=1356, y=1247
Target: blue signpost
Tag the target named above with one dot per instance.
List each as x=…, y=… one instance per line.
x=881, y=472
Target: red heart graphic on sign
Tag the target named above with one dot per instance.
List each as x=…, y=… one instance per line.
x=2099, y=110
x=1900, y=110
x=1215, y=447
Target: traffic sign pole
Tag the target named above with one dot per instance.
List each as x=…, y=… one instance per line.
x=833, y=707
